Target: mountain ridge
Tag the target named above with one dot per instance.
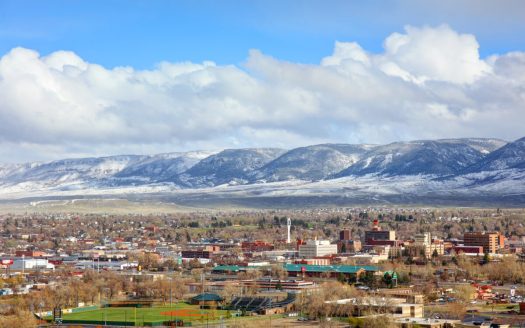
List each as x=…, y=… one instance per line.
x=483, y=166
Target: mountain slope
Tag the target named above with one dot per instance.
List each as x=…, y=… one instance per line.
x=510, y=156
x=449, y=169
x=160, y=167
x=71, y=171
x=430, y=157
x=311, y=163
x=483, y=145
x=227, y=166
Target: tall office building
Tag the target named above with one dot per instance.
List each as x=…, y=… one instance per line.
x=490, y=241
x=346, y=244
x=315, y=248
x=424, y=240
x=345, y=235
x=377, y=234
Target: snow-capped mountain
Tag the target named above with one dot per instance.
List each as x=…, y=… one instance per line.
x=161, y=167
x=111, y=171
x=429, y=157
x=311, y=163
x=483, y=145
x=228, y=166
x=503, y=168
x=426, y=171
x=71, y=171
x=510, y=156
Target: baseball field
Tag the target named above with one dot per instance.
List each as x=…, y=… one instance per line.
x=147, y=315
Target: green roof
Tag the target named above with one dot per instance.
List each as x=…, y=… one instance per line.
x=232, y=268
x=237, y=268
x=206, y=297
x=340, y=268
x=329, y=268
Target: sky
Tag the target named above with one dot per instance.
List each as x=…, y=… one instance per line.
x=96, y=78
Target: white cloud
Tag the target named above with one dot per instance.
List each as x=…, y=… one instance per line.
x=436, y=54
x=428, y=83
x=346, y=51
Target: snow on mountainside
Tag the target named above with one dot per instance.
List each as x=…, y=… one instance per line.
x=505, y=167
x=512, y=155
x=401, y=171
x=429, y=157
x=72, y=170
x=160, y=167
x=7, y=170
x=97, y=172
x=483, y=145
x=311, y=163
x=229, y=166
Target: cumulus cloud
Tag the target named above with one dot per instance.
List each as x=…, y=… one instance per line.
x=429, y=82
x=439, y=54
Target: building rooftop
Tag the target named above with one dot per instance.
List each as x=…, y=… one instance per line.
x=207, y=297
x=329, y=268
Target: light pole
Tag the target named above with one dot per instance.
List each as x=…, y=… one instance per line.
x=271, y=313
x=171, y=299
x=171, y=291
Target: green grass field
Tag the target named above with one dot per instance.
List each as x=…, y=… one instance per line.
x=179, y=311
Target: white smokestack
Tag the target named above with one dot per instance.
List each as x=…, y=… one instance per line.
x=289, y=226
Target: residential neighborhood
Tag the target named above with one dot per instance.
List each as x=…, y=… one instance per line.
x=339, y=266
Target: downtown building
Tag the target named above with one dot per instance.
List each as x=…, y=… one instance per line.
x=428, y=245
x=346, y=244
x=491, y=242
x=317, y=248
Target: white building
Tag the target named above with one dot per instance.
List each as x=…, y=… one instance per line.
x=200, y=259
x=370, y=258
x=315, y=248
x=106, y=265
x=430, y=245
x=423, y=239
x=20, y=264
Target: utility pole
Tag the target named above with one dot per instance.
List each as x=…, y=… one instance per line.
x=202, y=281
x=270, y=307
x=171, y=291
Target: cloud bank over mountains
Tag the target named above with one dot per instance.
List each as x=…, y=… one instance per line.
x=429, y=82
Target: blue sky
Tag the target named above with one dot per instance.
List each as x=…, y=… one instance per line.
x=93, y=78
x=143, y=33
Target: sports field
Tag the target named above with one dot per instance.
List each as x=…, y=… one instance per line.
x=139, y=316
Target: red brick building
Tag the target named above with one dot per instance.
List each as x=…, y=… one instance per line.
x=490, y=241
x=256, y=246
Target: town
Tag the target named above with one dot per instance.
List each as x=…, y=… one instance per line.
x=255, y=164
x=333, y=267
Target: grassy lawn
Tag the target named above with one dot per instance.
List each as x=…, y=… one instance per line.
x=499, y=307
x=179, y=311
